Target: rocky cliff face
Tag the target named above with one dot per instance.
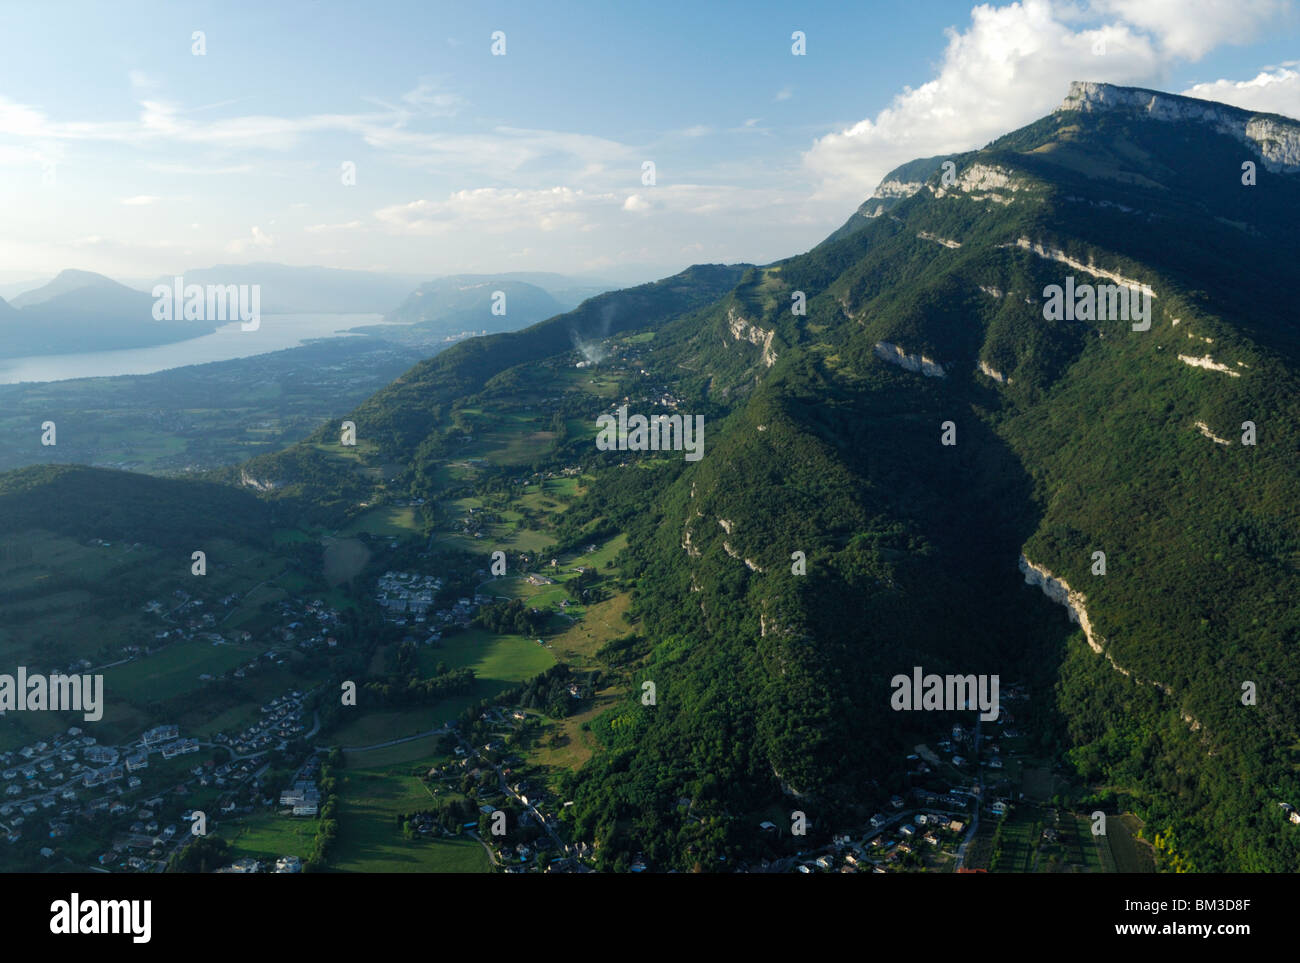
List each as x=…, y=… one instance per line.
x=743, y=330
x=1059, y=591
x=1277, y=139
x=894, y=354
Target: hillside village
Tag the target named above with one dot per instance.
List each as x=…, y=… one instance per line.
x=74, y=782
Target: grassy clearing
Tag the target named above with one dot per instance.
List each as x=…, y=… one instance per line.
x=1131, y=855
x=385, y=520
x=518, y=448
x=344, y=559
x=375, y=727
x=601, y=623
x=174, y=670
x=370, y=840
x=498, y=661
x=423, y=751
x=268, y=836
x=573, y=746
x=604, y=554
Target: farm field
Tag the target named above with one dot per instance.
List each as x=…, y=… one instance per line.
x=268, y=836
x=574, y=746
x=601, y=623
x=498, y=661
x=424, y=751
x=344, y=558
x=174, y=670
x=373, y=728
x=1131, y=855
x=370, y=840
x=385, y=520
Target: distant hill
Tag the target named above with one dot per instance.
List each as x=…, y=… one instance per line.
x=286, y=289
x=84, y=311
x=465, y=302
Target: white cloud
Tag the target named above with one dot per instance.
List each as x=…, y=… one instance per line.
x=317, y=228
x=140, y=80
x=201, y=171
x=1013, y=64
x=493, y=210
x=141, y=200
x=785, y=93
x=637, y=204
x=1274, y=91
x=433, y=99
x=1191, y=28
x=257, y=239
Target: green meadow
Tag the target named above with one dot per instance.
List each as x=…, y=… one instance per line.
x=370, y=840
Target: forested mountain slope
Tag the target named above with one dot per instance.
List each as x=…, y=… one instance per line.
x=927, y=320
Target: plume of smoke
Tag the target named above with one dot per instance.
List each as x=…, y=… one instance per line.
x=591, y=348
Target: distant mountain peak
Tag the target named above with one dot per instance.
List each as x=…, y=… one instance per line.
x=75, y=274
x=67, y=280
x=1274, y=137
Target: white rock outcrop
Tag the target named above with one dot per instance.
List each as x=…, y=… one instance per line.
x=1055, y=254
x=1059, y=591
x=1204, y=429
x=927, y=236
x=1276, y=139
x=993, y=373
x=742, y=330
x=912, y=362
x=249, y=481
x=1209, y=364
x=995, y=181
x=691, y=550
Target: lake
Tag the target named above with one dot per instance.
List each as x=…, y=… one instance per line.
x=228, y=342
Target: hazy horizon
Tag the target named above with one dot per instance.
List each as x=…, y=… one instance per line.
x=142, y=144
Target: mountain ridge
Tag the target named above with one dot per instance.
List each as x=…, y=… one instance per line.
x=773, y=685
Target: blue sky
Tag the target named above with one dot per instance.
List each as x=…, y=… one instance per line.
x=121, y=151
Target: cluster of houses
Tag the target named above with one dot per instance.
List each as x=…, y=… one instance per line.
x=936, y=808
x=49, y=774
x=303, y=796
x=247, y=864
x=401, y=594
x=282, y=719
x=309, y=626
x=306, y=625
x=46, y=773
x=80, y=763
